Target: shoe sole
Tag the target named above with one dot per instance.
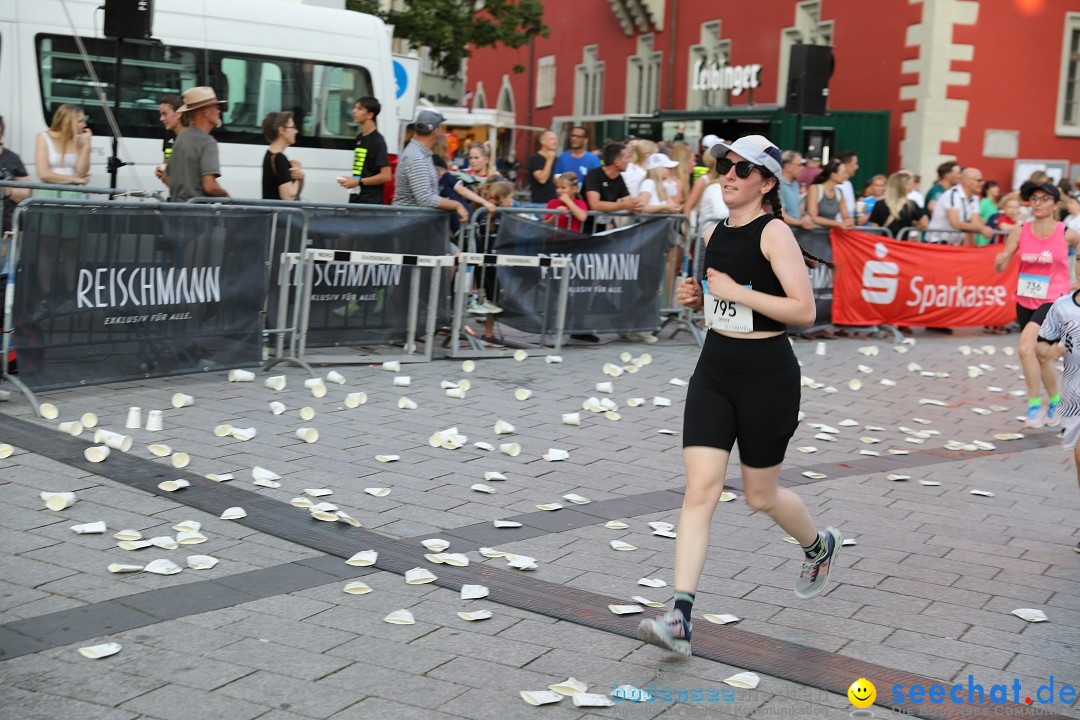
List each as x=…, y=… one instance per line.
x=818, y=589
x=647, y=634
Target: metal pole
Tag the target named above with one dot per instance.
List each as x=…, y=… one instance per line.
x=414, y=309
x=114, y=161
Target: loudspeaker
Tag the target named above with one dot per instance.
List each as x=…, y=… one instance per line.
x=129, y=19
x=809, y=70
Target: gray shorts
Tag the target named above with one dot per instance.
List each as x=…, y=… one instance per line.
x=1070, y=432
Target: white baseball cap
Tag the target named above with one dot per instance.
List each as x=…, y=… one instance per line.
x=755, y=148
x=659, y=160
x=709, y=140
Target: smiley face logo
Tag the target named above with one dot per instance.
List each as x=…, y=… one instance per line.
x=862, y=693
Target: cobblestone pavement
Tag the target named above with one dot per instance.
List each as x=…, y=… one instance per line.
x=928, y=588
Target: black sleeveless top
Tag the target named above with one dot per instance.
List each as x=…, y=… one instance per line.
x=737, y=252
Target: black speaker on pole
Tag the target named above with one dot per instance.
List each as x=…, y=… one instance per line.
x=809, y=70
x=129, y=19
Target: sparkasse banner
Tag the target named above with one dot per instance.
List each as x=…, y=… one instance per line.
x=883, y=281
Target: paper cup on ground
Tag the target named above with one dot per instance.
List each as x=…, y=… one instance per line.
x=363, y=558
x=71, y=428
x=605, y=387
x=158, y=450
x=134, y=418
x=468, y=366
x=163, y=567
x=335, y=377
x=201, y=562
x=96, y=652
x=503, y=428
x=318, y=391
x=154, y=421
x=402, y=381
x=355, y=399
x=555, y=455
x=277, y=408
x=465, y=385
x=174, y=485
x=522, y=394
x=89, y=420
x=400, y=617
x=241, y=376
x=48, y=411
x=455, y=392
x=392, y=366
x=117, y=441
x=571, y=419
x=308, y=435
x=233, y=513
x=307, y=413
x=94, y=528
x=819, y=349
x=405, y=403
x=244, y=434
x=58, y=500
x=180, y=400
x=553, y=359
x=180, y=460
x=520, y=355
x=190, y=537
x=96, y=453
x=123, y=568
x=223, y=430
x=276, y=382
x=511, y=449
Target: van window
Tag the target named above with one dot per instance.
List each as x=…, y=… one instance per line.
x=319, y=95
x=148, y=71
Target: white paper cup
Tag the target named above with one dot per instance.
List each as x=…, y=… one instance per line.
x=313, y=383
x=819, y=349
x=96, y=453
x=180, y=460
x=455, y=393
x=58, y=500
x=520, y=355
x=335, y=377
x=48, y=411
x=94, y=528
x=241, y=376
x=605, y=387
x=355, y=399
x=276, y=382
x=277, y=408
x=503, y=428
x=6, y=450
x=174, y=485
x=392, y=366
x=571, y=419
x=468, y=366
x=307, y=413
x=402, y=381
x=134, y=418
x=71, y=428
x=180, y=400
x=511, y=449
x=89, y=420
x=405, y=403
x=465, y=385
x=319, y=391
x=119, y=442
x=5, y=395
x=308, y=435
x=522, y=394
x=153, y=421
x=553, y=359
x=223, y=430
x=159, y=450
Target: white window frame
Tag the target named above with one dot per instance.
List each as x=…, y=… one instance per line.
x=589, y=83
x=545, y=81
x=1072, y=24
x=643, y=70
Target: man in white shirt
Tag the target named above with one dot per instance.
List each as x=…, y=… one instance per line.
x=849, y=160
x=958, y=209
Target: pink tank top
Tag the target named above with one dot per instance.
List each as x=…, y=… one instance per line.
x=1044, y=267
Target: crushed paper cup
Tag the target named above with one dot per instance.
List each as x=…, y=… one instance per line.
x=324, y=515
x=605, y=387
x=503, y=428
x=123, y=568
x=223, y=430
x=6, y=450
x=1030, y=614
x=625, y=609
x=493, y=553
x=307, y=434
x=364, y=558
x=180, y=460
x=511, y=449
x=159, y=450
x=721, y=619
x=522, y=562
x=678, y=381
x=931, y=483
x=452, y=559
x=520, y=355
x=613, y=416
x=277, y=407
x=473, y=592
x=387, y=458
x=629, y=692
x=392, y=366
x=660, y=525
x=276, y=383
x=897, y=477
x=128, y=535
x=181, y=400
x=318, y=492
x=652, y=582
x=219, y=477
x=549, y=507
x=745, y=680
x=728, y=496
x=583, y=699
x=357, y=587
x=302, y=502
x=377, y=491
x=484, y=446
x=807, y=449
x=556, y=455
x=592, y=405
x=48, y=411
x=241, y=376
x=435, y=545
x=93, y=528
x=481, y=487
x=982, y=493
x=173, y=485
x=620, y=545
x=201, y=562
x=244, y=434
x=402, y=381
x=335, y=377
x=616, y=525
x=540, y=697
x=190, y=537
x=661, y=401
x=522, y=394
x=576, y=499
x=272, y=484
x=475, y=615
x=187, y=526
x=96, y=652
x=664, y=431
x=553, y=359
x=355, y=399
x=133, y=544
x=162, y=567
x=492, y=475
x=405, y=403
x=400, y=617
x=419, y=576
x=665, y=533
x=261, y=473
x=73, y=428
x=96, y=453
x=506, y=523
x=646, y=602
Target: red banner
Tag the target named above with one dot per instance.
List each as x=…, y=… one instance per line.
x=883, y=281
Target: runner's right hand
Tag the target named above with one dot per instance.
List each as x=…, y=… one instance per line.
x=689, y=294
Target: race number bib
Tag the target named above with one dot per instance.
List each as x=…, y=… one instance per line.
x=1033, y=286
x=726, y=315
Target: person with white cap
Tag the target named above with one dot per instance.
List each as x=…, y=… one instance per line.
x=746, y=384
x=194, y=168
x=658, y=191
x=702, y=167
x=417, y=183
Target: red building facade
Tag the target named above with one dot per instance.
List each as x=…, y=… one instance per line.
x=990, y=83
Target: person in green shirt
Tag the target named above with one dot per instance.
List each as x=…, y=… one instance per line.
x=988, y=204
x=948, y=174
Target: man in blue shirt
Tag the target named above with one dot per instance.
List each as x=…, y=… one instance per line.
x=577, y=159
x=789, y=191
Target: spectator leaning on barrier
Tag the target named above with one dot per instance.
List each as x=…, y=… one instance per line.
x=640, y=152
x=990, y=195
x=896, y=210
x=658, y=189
x=873, y=192
x=282, y=179
x=567, y=196
x=790, y=197
x=824, y=203
x=193, y=168
x=604, y=188
x=371, y=162
x=577, y=159
x=958, y=209
x=542, y=169
x=850, y=161
x=11, y=168
x=417, y=183
x=948, y=175
x=916, y=195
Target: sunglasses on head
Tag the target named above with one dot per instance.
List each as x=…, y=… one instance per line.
x=743, y=168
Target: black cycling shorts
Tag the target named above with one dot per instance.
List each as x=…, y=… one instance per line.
x=745, y=390
x=1025, y=315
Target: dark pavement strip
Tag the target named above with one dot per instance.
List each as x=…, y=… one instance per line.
x=796, y=663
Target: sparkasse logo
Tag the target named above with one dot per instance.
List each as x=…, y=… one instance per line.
x=880, y=279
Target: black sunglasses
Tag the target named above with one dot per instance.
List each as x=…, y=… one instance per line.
x=743, y=168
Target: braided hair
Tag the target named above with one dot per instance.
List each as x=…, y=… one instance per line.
x=772, y=198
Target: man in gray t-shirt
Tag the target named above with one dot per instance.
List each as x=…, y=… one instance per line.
x=193, y=168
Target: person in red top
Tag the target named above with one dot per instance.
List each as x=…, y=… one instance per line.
x=1043, y=244
x=567, y=196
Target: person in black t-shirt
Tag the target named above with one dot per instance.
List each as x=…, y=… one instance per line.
x=541, y=169
x=895, y=210
x=11, y=168
x=281, y=179
x=371, y=162
x=604, y=188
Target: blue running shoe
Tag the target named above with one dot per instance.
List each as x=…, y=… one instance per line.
x=815, y=574
x=1052, y=417
x=1035, y=416
x=670, y=631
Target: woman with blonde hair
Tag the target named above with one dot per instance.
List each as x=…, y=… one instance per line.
x=481, y=164
x=680, y=153
x=895, y=210
x=658, y=190
x=634, y=174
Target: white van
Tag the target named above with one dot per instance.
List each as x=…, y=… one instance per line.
x=259, y=55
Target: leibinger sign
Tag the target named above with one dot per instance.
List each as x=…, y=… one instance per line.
x=719, y=76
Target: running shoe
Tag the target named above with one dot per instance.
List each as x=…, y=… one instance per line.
x=642, y=337
x=1052, y=417
x=814, y=577
x=475, y=307
x=490, y=308
x=670, y=631
x=1035, y=416
x=492, y=341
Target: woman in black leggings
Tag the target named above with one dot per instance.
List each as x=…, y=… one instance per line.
x=746, y=385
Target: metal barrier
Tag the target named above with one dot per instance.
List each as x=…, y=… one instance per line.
x=86, y=190
x=105, y=291
x=913, y=234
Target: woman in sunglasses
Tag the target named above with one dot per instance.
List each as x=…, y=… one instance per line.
x=746, y=385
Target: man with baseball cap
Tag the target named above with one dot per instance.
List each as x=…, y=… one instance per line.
x=417, y=183
x=194, y=168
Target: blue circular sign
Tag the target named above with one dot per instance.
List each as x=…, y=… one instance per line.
x=401, y=79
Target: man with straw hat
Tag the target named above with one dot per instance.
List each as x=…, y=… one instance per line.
x=194, y=168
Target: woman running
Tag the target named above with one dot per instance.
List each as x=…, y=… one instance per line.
x=746, y=384
x=1043, y=244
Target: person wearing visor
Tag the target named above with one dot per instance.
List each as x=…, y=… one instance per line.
x=746, y=385
x=1043, y=244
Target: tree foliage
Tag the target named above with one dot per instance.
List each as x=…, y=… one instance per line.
x=450, y=28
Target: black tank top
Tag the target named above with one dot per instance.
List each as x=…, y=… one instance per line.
x=737, y=252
